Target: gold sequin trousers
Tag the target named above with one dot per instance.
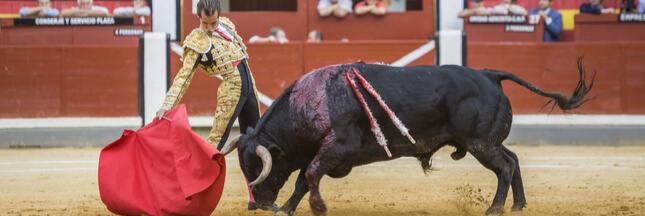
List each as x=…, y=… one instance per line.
x=236, y=98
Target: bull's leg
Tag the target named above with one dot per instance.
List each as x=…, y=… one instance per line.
x=328, y=158
x=519, y=200
x=314, y=174
x=302, y=187
x=493, y=157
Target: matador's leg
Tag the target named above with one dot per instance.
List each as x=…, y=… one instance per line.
x=228, y=96
x=239, y=99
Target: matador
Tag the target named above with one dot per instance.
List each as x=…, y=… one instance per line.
x=220, y=53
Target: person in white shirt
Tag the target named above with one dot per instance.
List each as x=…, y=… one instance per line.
x=338, y=8
x=476, y=8
x=276, y=35
x=85, y=9
x=139, y=8
x=509, y=7
x=44, y=9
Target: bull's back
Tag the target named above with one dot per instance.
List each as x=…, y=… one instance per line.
x=427, y=88
x=432, y=101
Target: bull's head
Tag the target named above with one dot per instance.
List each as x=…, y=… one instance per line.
x=257, y=156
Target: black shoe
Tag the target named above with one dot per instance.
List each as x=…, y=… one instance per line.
x=255, y=206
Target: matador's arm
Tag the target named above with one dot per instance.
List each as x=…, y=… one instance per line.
x=182, y=80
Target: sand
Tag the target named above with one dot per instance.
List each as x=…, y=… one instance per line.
x=558, y=180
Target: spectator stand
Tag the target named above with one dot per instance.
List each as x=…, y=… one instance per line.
x=504, y=28
x=568, y=8
x=10, y=8
x=610, y=27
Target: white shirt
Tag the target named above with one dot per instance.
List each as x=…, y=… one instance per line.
x=515, y=9
x=129, y=11
x=548, y=19
x=344, y=4
x=224, y=30
x=97, y=8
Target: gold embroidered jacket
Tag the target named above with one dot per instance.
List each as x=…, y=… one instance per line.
x=212, y=53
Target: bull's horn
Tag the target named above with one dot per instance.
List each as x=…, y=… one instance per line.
x=231, y=146
x=267, y=161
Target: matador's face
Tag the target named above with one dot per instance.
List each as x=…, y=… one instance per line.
x=209, y=23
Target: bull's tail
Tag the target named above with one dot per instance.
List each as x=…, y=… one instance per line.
x=564, y=103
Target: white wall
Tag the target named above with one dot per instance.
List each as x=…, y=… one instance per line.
x=164, y=16
x=155, y=73
x=448, y=14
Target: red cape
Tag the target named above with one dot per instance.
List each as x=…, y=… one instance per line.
x=164, y=168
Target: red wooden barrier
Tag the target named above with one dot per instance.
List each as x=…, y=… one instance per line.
x=318, y=55
x=552, y=67
x=68, y=81
x=101, y=81
x=70, y=34
x=490, y=30
x=606, y=27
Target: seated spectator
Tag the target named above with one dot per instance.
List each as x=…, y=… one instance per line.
x=595, y=7
x=509, y=7
x=552, y=20
x=139, y=8
x=476, y=8
x=375, y=7
x=641, y=6
x=43, y=9
x=338, y=8
x=85, y=9
x=627, y=6
x=276, y=35
x=314, y=36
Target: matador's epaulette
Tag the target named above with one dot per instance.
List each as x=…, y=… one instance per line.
x=198, y=40
x=226, y=21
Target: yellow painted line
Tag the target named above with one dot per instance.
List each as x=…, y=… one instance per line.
x=9, y=15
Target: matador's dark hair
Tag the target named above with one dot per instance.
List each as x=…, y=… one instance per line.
x=209, y=7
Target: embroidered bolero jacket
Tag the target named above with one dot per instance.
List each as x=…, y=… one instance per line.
x=215, y=54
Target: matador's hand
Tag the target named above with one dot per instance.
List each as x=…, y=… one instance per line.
x=161, y=113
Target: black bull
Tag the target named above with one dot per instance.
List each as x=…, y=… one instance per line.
x=319, y=127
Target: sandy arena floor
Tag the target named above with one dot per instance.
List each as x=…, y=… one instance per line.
x=559, y=180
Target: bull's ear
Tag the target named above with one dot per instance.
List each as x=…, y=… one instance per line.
x=249, y=130
x=276, y=150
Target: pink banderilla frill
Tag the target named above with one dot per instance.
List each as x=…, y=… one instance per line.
x=380, y=137
x=397, y=122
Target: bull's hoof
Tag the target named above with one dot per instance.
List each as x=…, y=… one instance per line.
x=255, y=206
x=317, y=205
x=519, y=206
x=495, y=210
x=281, y=213
x=320, y=210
